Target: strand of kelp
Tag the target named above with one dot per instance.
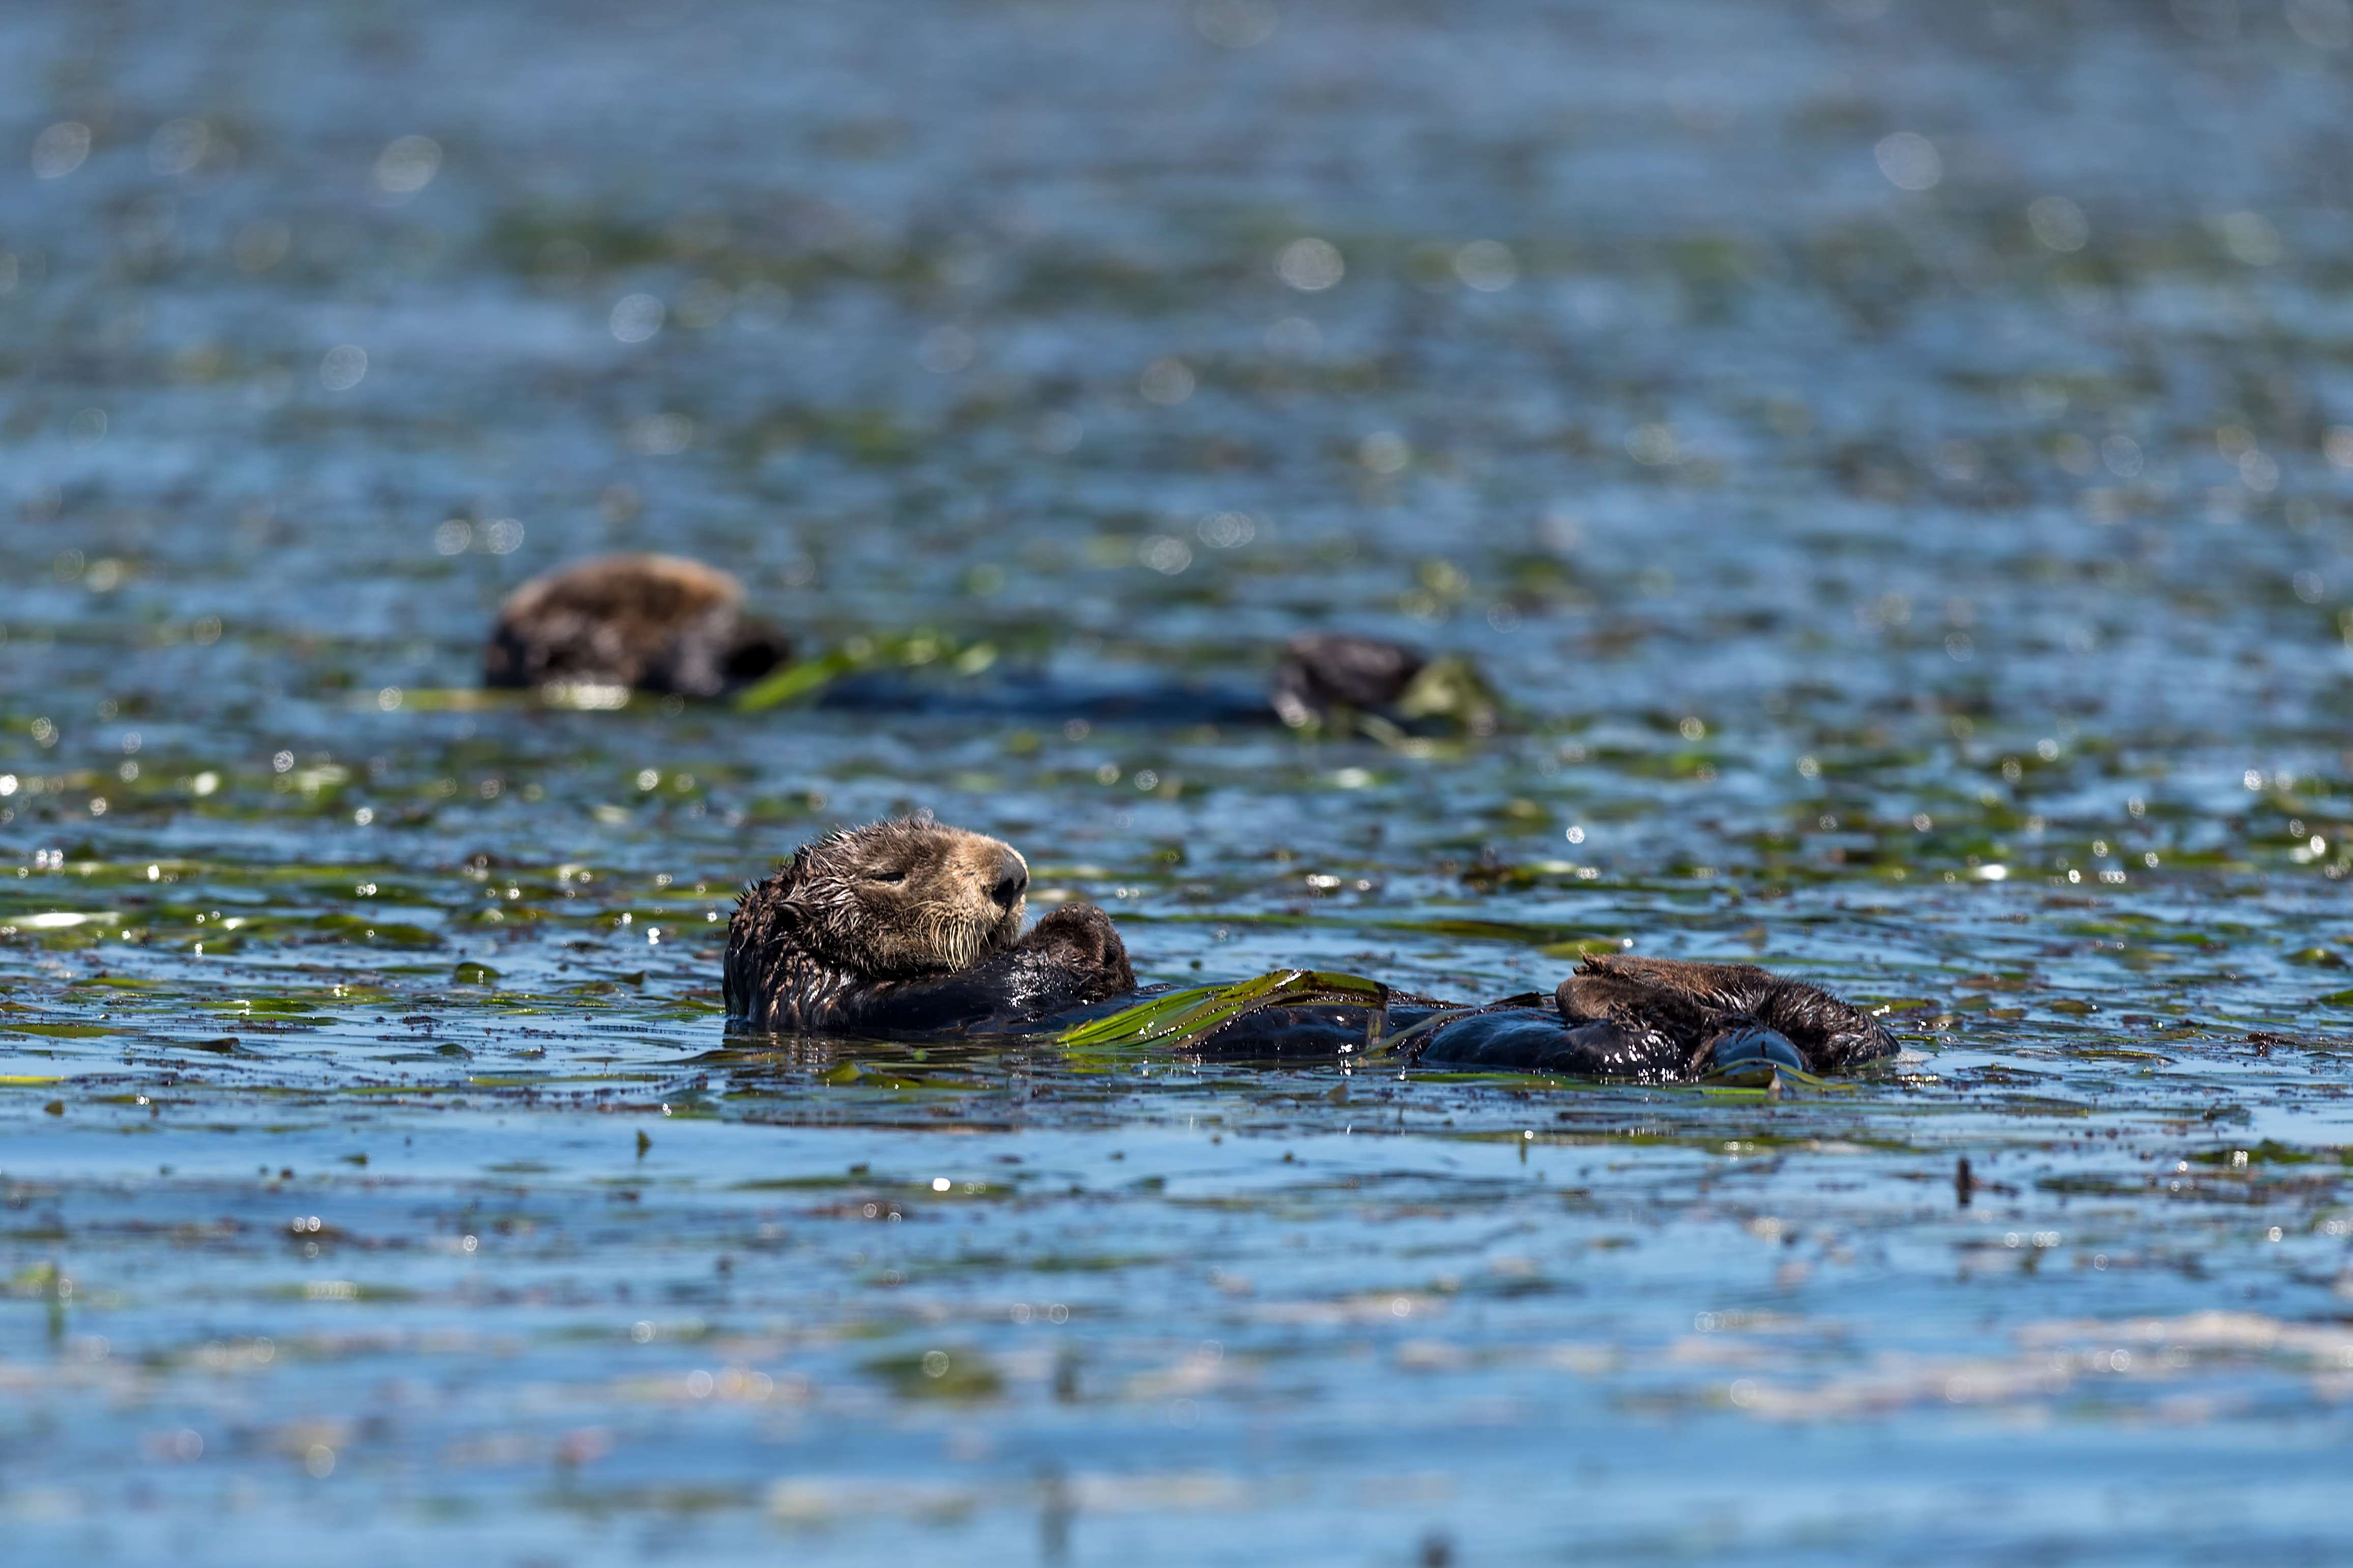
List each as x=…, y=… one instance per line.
x=1184, y=1018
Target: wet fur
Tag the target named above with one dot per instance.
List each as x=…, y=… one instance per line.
x=656, y=623
x=1663, y=1018
x=901, y=927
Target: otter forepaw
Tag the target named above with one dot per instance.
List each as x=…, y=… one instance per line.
x=1082, y=937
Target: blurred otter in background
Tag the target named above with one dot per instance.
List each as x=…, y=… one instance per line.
x=664, y=624
x=653, y=622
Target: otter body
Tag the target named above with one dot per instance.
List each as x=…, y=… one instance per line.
x=1659, y=1020
x=668, y=625
x=655, y=622
x=1645, y=1020
x=911, y=928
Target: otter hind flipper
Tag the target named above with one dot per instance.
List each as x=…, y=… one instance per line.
x=1750, y=1044
x=1835, y=1035
x=1696, y=1003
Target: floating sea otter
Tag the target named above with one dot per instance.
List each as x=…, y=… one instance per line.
x=656, y=623
x=909, y=928
x=667, y=624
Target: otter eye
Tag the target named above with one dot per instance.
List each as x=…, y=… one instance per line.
x=888, y=877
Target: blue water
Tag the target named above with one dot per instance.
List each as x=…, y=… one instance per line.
x=1898, y=460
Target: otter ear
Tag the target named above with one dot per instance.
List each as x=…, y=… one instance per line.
x=786, y=903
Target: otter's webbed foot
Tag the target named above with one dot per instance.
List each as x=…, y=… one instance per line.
x=1749, y=1045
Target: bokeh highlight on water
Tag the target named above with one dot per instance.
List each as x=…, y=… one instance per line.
x=1899, y=458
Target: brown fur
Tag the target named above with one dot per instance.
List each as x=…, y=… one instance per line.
x=909, y=924
x=656, y=623
x=1679, y=1010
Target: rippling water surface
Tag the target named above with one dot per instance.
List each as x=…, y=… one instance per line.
x=1897, y=457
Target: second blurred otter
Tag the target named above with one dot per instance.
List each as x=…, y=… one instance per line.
x=667, y=624
x=653, y=622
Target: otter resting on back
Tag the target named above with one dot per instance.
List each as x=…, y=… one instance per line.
x=656, y=623
x=909, y=927
x=664, y=624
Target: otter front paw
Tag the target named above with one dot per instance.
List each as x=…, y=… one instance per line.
x=1081, y=937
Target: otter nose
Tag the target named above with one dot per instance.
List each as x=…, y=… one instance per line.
x=1012, y=880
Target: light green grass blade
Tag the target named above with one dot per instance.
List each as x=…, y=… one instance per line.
x=1182, y=1017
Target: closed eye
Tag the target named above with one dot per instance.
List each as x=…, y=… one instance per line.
x=888, y=877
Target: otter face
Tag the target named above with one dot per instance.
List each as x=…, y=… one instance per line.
x=894, y=899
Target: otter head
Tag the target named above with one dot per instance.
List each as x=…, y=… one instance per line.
x=898, y=899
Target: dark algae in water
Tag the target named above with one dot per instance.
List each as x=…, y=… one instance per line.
x=1889, y=466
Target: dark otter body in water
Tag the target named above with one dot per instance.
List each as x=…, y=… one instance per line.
x=1661, y=1020
x=665, y=624
x=909, y=927
x=1651, y=1020
x=657, y=623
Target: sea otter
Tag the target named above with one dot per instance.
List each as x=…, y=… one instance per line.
x=656, y=623
x=911, y=927
x=668, y=625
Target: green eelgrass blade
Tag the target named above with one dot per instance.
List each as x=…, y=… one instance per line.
x=1398, y=1042
x=799, y=678
x=907, y=651
x=1141, y=1021
x=1184, y=1017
